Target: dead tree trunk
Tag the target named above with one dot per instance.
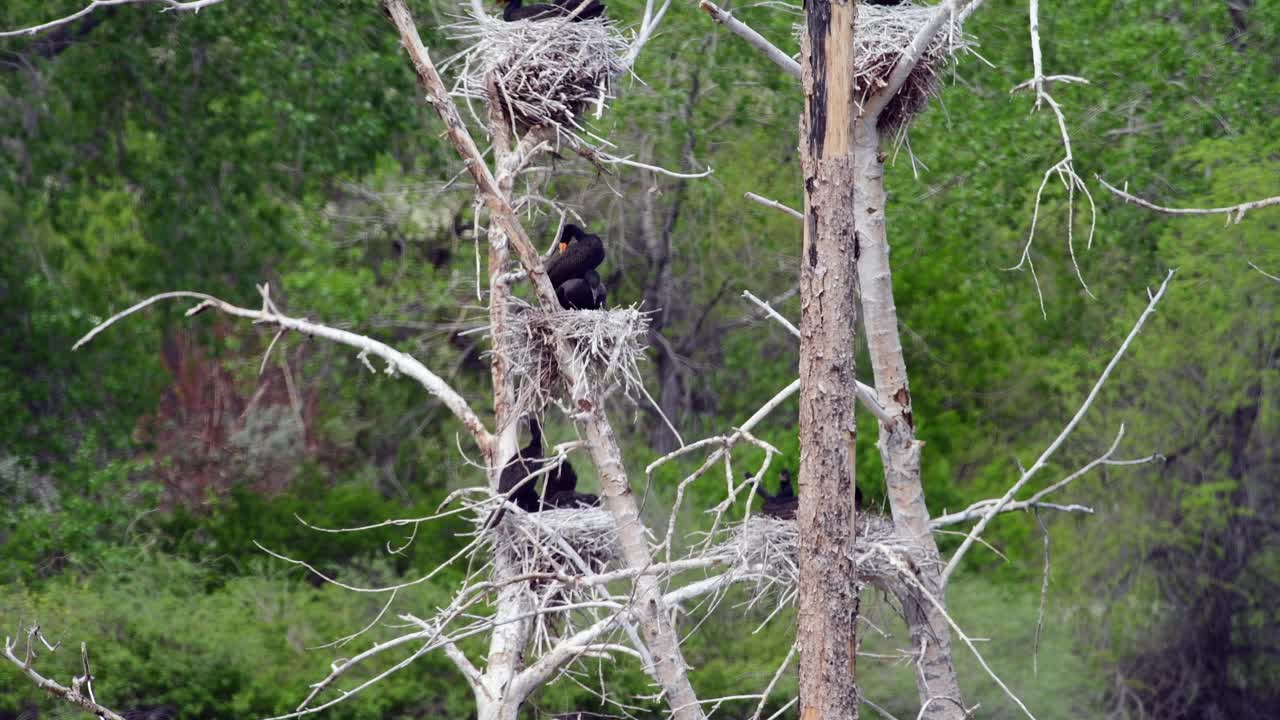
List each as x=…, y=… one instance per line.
x=828, y=595
x=899, y=449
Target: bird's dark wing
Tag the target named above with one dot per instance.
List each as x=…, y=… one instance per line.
x=562, y=479
x=768, y=498
x=575, y=294
x=593, y=10
x=578, y=257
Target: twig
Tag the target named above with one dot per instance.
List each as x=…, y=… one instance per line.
x=71, y=694
x=1264, y=272
x=865, y=393
x=753, y=38
x=191, y=6
x=1234, y=213
x=775, y=205
x=1062, y=436
x=396, y=361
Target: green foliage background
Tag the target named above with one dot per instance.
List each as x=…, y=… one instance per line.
x=285, y=142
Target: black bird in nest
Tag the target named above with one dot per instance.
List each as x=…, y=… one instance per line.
x=572, y=270
x=782, y=506
x=523, y=464
x=515, y=10
x=785, y=504
x=584, y=293
x=562, y=490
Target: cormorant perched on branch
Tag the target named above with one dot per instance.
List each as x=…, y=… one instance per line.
x=562, y=490
x=523, y=464
x=559, y=8
x=578, y=252
x=783, y=505
x=584, y=293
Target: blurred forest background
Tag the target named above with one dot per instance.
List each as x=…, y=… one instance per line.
x=284, y=142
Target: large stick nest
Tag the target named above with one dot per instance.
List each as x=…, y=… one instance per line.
x=606, y=346
x=881, y=34
x=546, y=72
x=567, y=542
x=766, y=551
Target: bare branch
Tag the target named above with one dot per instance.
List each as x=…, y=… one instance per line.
x=1064, y=168
x=866, y=394
x=70, y=695
x=753, y=38
x=1264, y=272
x=775, y=205
x=1234, y=213
x=1062, y=436
x=191, y=6
x=397, y=362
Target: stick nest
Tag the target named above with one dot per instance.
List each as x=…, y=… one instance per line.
x=547, y=72
x=607, y=347
x=569, y=542
x=881, y=34
x=766, y=551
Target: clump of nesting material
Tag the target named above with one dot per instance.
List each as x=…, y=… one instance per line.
x=547, y=71
x=764, y=551
x=880, y=35
x=568, y=542
x=606, y=348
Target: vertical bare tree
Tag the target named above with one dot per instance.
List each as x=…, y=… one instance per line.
x=828, y=594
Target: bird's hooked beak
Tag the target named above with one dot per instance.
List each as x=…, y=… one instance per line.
x=563, y=246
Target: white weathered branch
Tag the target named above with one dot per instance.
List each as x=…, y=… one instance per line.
x=191, y=6
x=753, y=38
x=1234, y=213
x=397, y=362
x=72, y=695
x=866, y=394
x=1064, y=169
x=775, y=205
x=1036, y=501
x=1062, y=436
x=1264, y=272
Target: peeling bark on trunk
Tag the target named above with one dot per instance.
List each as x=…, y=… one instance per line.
x=899, y=449
x=828, y=593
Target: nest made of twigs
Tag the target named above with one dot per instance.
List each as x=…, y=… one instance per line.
x=765, y=551
x=881, y=33
x=606, y=347
x=565, y=542
x=546, y=72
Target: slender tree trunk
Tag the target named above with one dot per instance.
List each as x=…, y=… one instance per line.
x=828, y=594
x=936, y=680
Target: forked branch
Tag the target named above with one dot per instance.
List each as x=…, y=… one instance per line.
x=397, y=362
x=1234, y=213
x=1062, y=436
x=191, y=6
x=79, y=694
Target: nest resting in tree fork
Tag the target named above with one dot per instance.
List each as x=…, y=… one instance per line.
x=765, y=551
x=607, y=347
x=881, y=33
x=571, y=542
x=547, y=72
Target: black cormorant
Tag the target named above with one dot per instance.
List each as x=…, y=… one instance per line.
x=562, y=489
x=516, y=10
x=783, y=505
x=523, y=464
x=584, y=293
x=578, y=252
